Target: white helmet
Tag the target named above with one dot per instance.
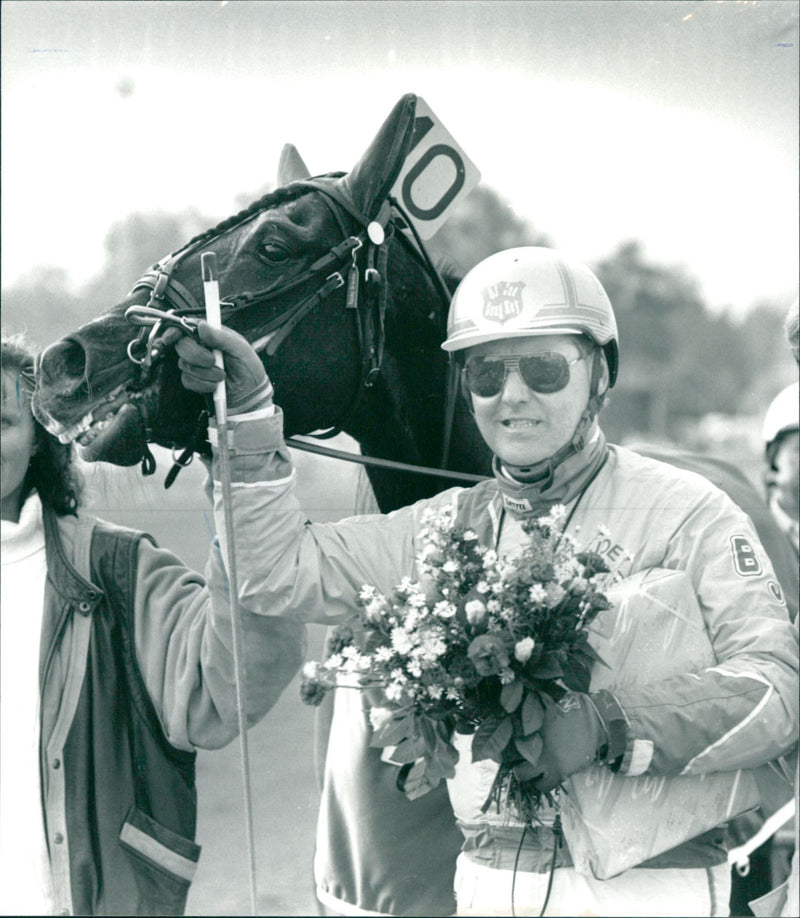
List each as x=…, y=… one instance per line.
x=782, y=414
x=531, y=290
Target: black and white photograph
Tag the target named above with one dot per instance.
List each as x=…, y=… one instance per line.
x=400, y=457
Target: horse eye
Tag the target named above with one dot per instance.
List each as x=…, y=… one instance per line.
x=273, y=253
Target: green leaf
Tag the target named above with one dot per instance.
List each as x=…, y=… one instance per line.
x=530, y=747
x=593, y=655
x=491, y=738
x=442, y=761
x=524, y=771
x=511, y=695
x=408, y=750
x=577, y=675
x=396, y=729
x=549, y=667
x=419, y=781
x=532, y=714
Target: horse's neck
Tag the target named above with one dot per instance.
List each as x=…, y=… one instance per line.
x=403, y=417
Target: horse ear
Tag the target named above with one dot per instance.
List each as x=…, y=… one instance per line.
x=291, y=167
x=372, y=177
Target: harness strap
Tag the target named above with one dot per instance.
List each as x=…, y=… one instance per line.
x=271, y=340
x=165, y=288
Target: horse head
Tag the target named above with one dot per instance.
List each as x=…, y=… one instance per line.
x=321, y=275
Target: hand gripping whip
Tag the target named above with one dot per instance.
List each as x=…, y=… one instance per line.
x=208, y=262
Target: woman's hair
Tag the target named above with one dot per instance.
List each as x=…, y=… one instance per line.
x=50, y=470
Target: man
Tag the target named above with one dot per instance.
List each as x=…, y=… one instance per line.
x=536, y=338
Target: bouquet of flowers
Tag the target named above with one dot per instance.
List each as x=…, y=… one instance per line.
x=479, y=644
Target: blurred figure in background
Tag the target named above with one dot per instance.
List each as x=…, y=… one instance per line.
x=781, y=435
x=777, y=858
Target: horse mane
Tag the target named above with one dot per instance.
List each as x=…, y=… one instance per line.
x=266, y=202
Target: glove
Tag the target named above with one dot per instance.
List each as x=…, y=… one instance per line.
x=247, y=385
x=572, y=734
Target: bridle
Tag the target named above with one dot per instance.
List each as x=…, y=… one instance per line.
x=357, y=262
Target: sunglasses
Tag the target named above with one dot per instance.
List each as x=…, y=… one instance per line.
x=545, y=372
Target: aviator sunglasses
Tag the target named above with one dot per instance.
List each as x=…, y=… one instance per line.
x=545, y=372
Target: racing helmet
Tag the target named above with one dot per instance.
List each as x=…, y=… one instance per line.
x=783, y=414
x=532, y=290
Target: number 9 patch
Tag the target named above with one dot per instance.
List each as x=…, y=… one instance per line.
x=745, y=559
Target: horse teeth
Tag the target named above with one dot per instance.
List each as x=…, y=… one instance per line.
x=68, y=435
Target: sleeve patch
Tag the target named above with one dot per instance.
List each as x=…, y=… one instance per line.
x=745, y=559
x=775, y=589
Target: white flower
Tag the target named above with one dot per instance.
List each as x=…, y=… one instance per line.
x=431, y=647
x=401, y=640
x=444, y=609
x=383, y=654
x=476, y=612
x=417, y=600
x=334, y=661
x=311, y=669
x=470, y=536
x=506, y=676
x=450, y=566
x=556, y=515
x=490, y=558
x=537, y=593
x=482, y=586
x=555, y=593
x=394, y=691
x=379, y=716
x=435, y=692
x=523, y=649
x=414, y=668
x=374, y=609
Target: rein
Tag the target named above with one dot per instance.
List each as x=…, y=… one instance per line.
x=171, y=304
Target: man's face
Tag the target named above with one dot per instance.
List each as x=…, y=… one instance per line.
x=523, y=427
x=16, y=443
x=786, y=477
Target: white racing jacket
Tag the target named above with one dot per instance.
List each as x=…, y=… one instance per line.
x=740, y=713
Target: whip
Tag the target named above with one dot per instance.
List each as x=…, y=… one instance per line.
x=208, y=263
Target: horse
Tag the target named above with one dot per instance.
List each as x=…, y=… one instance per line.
x=327, y=278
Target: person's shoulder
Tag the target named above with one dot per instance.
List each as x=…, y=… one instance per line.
x=637, y=468
x=69, y=524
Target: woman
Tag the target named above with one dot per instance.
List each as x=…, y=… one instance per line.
x=116, y=665
x=536, y=338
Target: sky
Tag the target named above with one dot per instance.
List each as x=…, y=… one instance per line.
x=597, y=120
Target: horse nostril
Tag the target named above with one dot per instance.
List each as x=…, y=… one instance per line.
x=64, y=359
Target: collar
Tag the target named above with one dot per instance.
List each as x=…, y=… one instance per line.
x=26, y=537
x=549, y=486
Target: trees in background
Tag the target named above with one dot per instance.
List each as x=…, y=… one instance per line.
x=680, y=362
